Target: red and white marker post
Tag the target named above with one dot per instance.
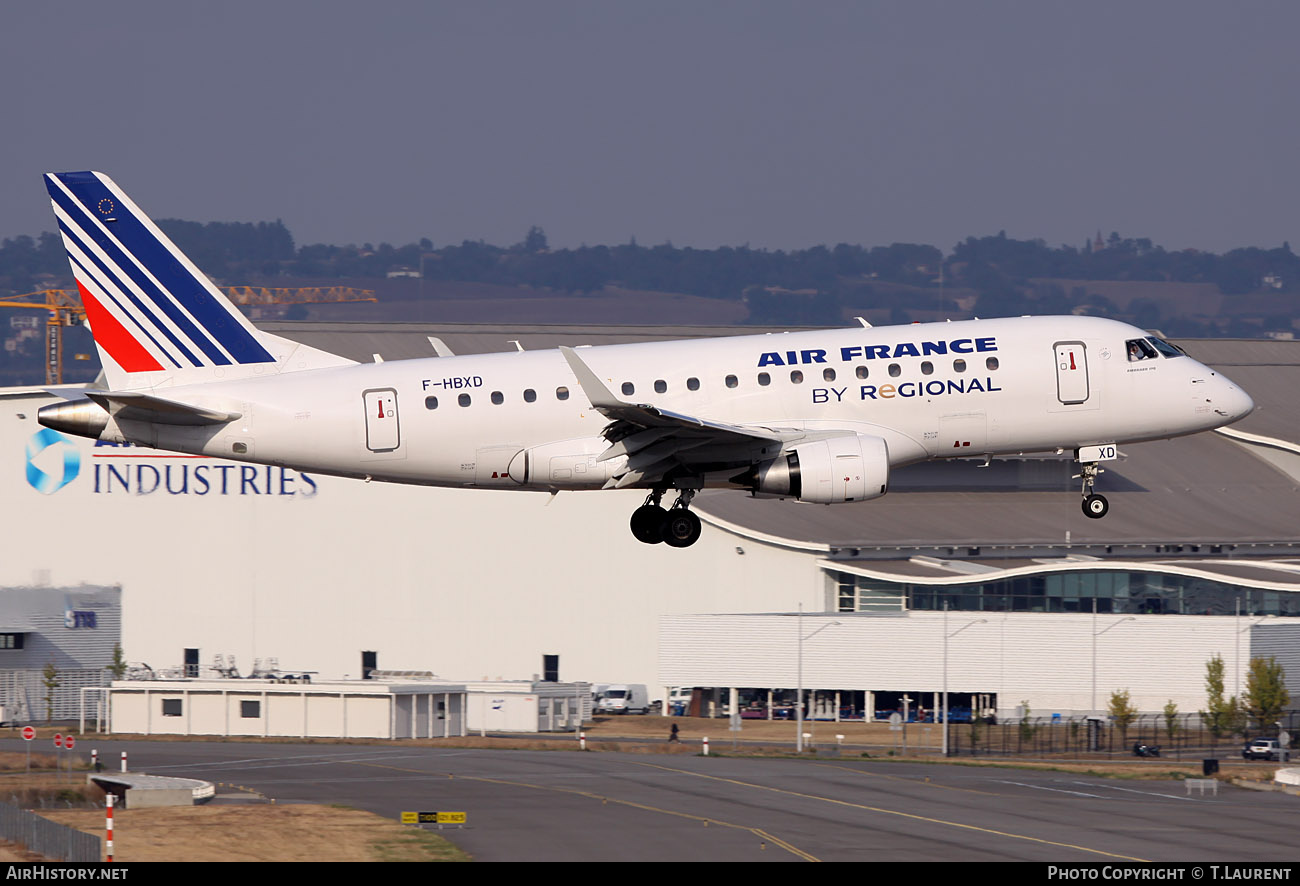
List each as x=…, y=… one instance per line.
x=108, y=827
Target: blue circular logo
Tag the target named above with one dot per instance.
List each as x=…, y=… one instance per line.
x=42, y=481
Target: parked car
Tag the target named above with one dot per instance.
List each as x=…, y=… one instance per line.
x=1262, y=749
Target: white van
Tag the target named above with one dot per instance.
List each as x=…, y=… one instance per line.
x=624, y=698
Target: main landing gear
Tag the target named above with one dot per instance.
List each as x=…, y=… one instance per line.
x=677, y=527
x=1094, y=504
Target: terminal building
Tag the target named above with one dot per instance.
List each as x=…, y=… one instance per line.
x=993, y=567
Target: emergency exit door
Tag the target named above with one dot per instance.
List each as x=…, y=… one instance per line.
x=382, y=433
x=1071, y=372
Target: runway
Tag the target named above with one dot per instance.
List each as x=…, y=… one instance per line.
x=612, y=807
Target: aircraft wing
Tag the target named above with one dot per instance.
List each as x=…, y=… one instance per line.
x=657, y=440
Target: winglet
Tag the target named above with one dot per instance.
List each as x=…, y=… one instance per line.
x=600, y=396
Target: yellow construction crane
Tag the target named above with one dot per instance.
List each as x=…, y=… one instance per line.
x=65, y=309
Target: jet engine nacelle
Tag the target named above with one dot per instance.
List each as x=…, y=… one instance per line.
x=850, y=468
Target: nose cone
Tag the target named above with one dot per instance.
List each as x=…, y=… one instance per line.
x=1232, y=402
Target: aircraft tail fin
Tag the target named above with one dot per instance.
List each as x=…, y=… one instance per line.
x=156, y=318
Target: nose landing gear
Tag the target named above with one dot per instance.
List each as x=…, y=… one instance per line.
x=1094, y=504
x=677, y=527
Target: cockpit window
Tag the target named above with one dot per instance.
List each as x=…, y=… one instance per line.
x=1165, y=347
x=1140, y=349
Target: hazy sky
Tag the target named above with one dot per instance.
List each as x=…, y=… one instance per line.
x=780, y=125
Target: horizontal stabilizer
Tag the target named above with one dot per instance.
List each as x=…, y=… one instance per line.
x=132, y=406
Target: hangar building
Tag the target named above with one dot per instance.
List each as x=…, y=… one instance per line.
x=1200, y=555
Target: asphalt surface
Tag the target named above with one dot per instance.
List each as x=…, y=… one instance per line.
x=620, y=807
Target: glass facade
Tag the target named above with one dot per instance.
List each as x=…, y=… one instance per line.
x=1114, y=590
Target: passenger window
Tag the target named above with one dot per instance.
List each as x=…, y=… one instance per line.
x=692, y=384
x=861, y=371
x=430, y=402
x=561, y=393
x=991, y=362
x=530, y=395
x=796, y=376
x=628, y=389
x=661, y=386
x=764, y=379
x=927, y=368
x=895, y=370
x=498, y=398
x=958, y=365
x=731, y=381
x=828, y=374
x=463, y=399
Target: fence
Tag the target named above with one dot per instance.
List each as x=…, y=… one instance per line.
x=1183, y=736
x=48, y=838
x=23, y=692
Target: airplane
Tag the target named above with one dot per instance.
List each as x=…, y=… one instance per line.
x=815, y=416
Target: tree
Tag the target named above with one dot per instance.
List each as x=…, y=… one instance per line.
x=50, y=678
x=1122, y=713
x=1266, y=694
x=1171, y=719
x=117, y=667
x=535, y=240
x=1220, y=716
x=1027, y=727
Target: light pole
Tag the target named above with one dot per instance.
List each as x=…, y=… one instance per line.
x=798, y=701
x=1095, y=634
x=946, y=635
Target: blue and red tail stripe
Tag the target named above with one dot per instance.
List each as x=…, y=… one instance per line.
x=90, y=270
x=113, y=337
x=173, y=312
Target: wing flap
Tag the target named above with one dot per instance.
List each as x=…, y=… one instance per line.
x=634, y=442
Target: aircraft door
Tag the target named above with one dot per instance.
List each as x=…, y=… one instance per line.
x=1071, y=372
x=382, y=431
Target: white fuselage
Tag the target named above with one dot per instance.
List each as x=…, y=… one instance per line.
x=929, y=390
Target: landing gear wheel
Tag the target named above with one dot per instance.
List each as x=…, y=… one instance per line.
x=681, y=529
x=648, y=522
x=1094, y=505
